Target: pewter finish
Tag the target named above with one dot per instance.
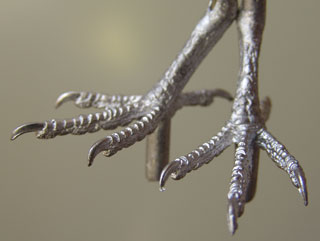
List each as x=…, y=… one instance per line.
x=246, y=125
x=118, y=111
x=206, y=34
x=158, y=149
x=162, y=100
x=284, y=160
x=142, y=114
x=198, y=157
x=97, y=100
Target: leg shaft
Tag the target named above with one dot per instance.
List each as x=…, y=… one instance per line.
x=158, y=150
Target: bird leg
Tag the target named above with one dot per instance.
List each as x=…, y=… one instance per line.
x=246, y=127
x=143, y=114
x=147, y=111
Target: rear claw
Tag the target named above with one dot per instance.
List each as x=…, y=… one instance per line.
x=67, y=96
x=224, y=94
x=26, y=128
x=302, y=185
x=170, y=168
x=100, y=146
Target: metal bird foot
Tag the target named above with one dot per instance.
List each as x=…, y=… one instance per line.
x=142, y=114
x=117, y=111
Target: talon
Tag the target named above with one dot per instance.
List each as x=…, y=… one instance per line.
x=65, y=97
x=265, y=106
x=100, y=146
x=224, y=94
x=166, y=172
x=245, y=128
x=31, y=127
x=275, y=149
x=232, y=216
x=302, y=185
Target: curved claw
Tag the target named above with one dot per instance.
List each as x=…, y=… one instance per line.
x=67, y=96
x=232, y=216
x=100, y=146
x=302, y=185
x=285, y=161
x=26, y=128
x=265, y=106
x=224, y=94
x=170, y=168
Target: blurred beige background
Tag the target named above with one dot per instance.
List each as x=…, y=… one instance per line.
x=48, y=192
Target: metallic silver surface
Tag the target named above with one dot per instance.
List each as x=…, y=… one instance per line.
x=142, y=114
x=246, y=127
x=158, y=149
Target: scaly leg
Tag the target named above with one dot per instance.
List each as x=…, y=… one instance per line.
x=149, y=110
x=246, y=127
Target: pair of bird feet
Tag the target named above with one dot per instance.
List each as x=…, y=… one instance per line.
x=141, y=114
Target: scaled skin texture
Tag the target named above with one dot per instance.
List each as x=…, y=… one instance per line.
x=141, y=115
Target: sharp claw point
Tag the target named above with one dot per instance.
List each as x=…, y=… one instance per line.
x=162, y=189
x=98, y=147
x=302, y=185
x=26, y=128
x=304, y=197
x=170, y=168
x=224, y=94
x=232, y=228
x=228, y=96
x=232, y=224
x=304, y=194
x=65, y=97
x=232, y=217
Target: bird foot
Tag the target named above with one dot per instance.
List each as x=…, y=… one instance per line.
x=248, y=139
x=142, y=114
x=116, y=111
